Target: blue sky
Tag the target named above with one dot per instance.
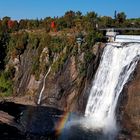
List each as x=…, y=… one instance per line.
x=33, y=9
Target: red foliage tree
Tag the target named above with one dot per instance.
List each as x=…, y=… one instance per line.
x=10, y=24
x=53, y=26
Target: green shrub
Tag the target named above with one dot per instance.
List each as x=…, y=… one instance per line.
x=59, y=63
x=82, y=69
x=88, y=56
x=56, y=45
x=17, y=43
x=34, y=41
x=5, y=85
x=35, y=67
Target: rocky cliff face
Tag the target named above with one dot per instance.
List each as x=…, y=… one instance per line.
x=130, y=107
x=67, y=84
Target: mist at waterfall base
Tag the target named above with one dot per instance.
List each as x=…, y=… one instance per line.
x=116, y=67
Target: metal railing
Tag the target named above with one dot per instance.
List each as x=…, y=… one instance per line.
x=119, y=29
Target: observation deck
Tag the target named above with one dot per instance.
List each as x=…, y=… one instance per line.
x=113, y=35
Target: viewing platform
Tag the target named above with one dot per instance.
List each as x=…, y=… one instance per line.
x=127, y=38
x=113, y=35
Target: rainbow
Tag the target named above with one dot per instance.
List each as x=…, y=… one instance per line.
x=61, y=123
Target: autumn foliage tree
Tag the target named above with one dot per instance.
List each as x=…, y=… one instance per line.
x=10, y=24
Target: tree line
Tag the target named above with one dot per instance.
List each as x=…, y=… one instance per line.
x=71, y=19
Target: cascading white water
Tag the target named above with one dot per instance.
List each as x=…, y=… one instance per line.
x=40, y=95
x=114, y=70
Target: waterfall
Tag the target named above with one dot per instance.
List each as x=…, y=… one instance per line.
x=41, y=92
x=116, y=66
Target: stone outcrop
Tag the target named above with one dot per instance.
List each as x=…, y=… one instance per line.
x=130, y=108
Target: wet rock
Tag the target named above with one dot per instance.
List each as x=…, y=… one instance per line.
x=131, y=106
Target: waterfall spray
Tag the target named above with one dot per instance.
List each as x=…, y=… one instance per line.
x=116, y=66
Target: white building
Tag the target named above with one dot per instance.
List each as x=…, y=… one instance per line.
x=111, y=35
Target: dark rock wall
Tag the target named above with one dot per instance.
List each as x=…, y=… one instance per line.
x=130, y=108
x=23, y=74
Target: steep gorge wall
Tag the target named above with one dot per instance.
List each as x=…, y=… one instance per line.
x=68, y=83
